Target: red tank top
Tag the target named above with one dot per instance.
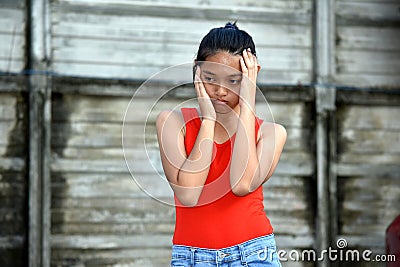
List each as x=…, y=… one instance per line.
x=220, y=219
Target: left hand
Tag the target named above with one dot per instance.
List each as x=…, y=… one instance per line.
x=249, y=65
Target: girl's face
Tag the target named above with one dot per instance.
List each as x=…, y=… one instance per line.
x=222, y=76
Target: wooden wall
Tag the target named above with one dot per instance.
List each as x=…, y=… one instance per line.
x=99, y=54
x=368, y=174
x=12, y=35
x=135, y=39
x=101, y=216
x=367, y=43
x=13, y=141
x=13, y=175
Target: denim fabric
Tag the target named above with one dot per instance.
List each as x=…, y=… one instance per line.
x=260, y=251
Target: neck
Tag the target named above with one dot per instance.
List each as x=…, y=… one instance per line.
x=228, y=121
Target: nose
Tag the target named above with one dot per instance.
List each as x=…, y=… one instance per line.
x=221, y=90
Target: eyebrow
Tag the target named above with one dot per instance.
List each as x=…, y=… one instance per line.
x=231, y=75
x=208, y=72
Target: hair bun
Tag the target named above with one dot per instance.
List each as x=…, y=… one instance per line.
x=229, y=25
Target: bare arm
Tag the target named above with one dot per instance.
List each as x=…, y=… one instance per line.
x=187, y=173
x=253, y=162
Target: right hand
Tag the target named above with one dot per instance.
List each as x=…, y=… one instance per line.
x=206, y=107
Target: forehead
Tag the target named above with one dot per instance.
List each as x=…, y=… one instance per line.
x=222, y=63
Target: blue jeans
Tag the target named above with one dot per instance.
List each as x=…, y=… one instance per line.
x=260, y=251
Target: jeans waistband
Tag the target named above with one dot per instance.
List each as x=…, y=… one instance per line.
x=229, y=253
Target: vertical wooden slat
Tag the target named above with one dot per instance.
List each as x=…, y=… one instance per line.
x=324, y=39
x=325, y=101
x=39, y=137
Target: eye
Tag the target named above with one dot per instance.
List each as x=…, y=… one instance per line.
x=209, y=79
x=234, y=81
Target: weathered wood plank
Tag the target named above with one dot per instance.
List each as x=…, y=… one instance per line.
x=105, y=109
x=100, y=137
x=12, y=16
x=124, y=8
x=371, y=183
x=121, y=254
x=11, y=84
x=12, y=164
x=9, y=189
x=360, y=230
x=365, y=62
x=127, y=88
x=362, y=141
x=12, y=177
x=371, y=97
x=297, y=241
x=274, y=4
x=162, y=55
x=354, y=218
x=373, y=11
x=8, y=109
x=384, y=159
x=113, y=185
x=368, y=38
x=6, y=128
x=369, y=118
x=297, y=228
x=128, y=72
x=110, y=241
x=12, y=37
x=111, y=216
x=301, y=166
x=13, y=241
x=297, y=150
x=284, y=35
x=11, y=47
x=368, y=169
x=103, y=228
x=379, y=80
x=14, y=67
x=62, y=20
x=111, y=258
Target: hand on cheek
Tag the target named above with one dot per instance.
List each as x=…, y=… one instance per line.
x=249, y=65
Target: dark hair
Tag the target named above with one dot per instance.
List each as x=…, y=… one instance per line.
x=229, y=39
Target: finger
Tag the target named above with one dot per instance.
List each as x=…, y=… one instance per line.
x=200, y=85
x=202, y=90
x=246, y=58
x=197, y=82
x=251, y=58
x=243, y=66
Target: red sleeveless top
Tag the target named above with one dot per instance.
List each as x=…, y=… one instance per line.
x=220, y=219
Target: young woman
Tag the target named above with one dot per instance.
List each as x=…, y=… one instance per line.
x=217, y=157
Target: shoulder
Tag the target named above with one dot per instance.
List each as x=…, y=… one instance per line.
x=275, y=130
x=170, y=118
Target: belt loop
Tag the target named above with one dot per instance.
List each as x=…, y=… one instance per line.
x=242, y=255
x=192, y=251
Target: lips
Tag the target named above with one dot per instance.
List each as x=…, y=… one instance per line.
x=220, y=101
